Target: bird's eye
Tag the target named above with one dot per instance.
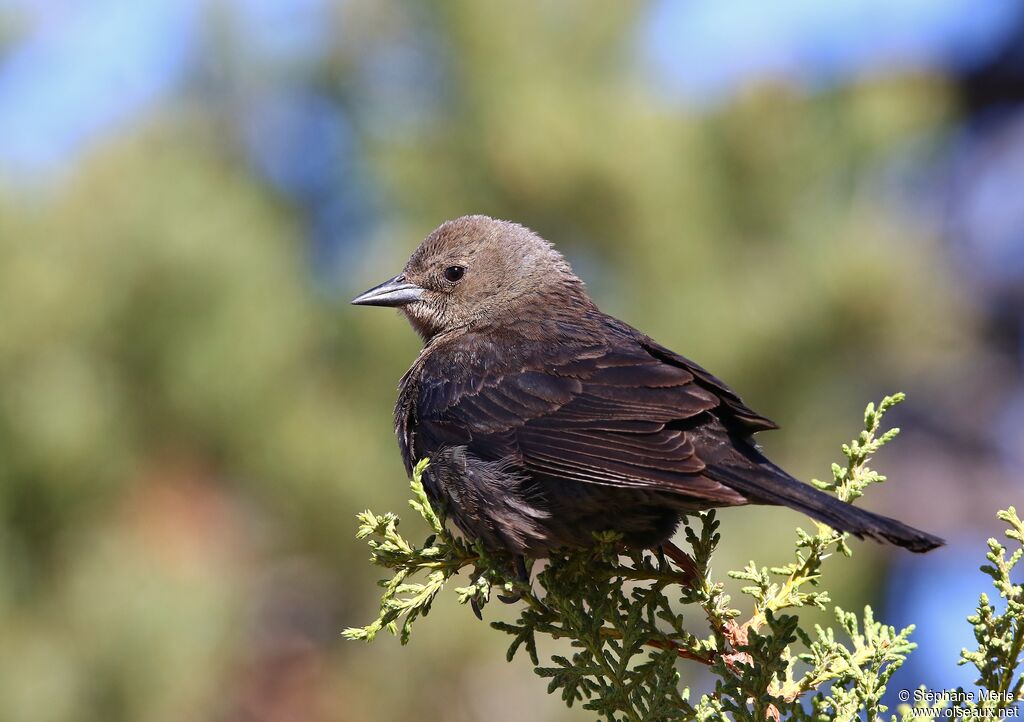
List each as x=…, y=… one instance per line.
x=454, y=274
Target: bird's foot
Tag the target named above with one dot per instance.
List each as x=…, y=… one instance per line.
x=522, y=576
x=683, y=560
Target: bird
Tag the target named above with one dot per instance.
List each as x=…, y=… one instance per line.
x=546, y=421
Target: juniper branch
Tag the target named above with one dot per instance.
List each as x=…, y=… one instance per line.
x=628, y=615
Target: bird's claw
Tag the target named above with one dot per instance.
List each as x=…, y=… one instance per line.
x=522, y=575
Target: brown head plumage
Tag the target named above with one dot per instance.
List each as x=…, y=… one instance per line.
x=473, y=270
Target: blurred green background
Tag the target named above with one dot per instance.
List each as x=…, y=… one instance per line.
x=800, y=199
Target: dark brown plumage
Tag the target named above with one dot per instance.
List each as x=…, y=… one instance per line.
x=546, y=420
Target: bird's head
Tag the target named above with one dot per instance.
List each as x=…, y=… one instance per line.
x=475, y=271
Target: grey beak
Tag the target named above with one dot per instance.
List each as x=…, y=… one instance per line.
x=393, y=292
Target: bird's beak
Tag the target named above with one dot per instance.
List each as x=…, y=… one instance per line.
x=393, y=292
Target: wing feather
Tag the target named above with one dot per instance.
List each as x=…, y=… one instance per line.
x=615, y=414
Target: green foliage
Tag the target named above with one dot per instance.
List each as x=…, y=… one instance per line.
x=407, y=600
x=164, y=383
x=628, y=616
x=1000, y=636
x=998, y=657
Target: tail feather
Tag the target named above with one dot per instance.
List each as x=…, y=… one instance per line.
x=766, y=483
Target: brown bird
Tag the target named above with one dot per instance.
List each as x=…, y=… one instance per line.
x=546, y=420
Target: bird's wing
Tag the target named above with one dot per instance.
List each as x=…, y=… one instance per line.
x=611, y=414
x=745, y=418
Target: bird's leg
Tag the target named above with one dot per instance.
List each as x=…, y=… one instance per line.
x=659, y=551
x=522, y=576
x=522, y=570
x=683, y=560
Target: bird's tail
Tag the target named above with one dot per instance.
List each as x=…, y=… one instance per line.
x=772, y=485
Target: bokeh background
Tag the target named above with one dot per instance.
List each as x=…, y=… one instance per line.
x=821, y=202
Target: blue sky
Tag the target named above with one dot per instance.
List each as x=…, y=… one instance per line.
x=705, y=50
x=83, y=69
